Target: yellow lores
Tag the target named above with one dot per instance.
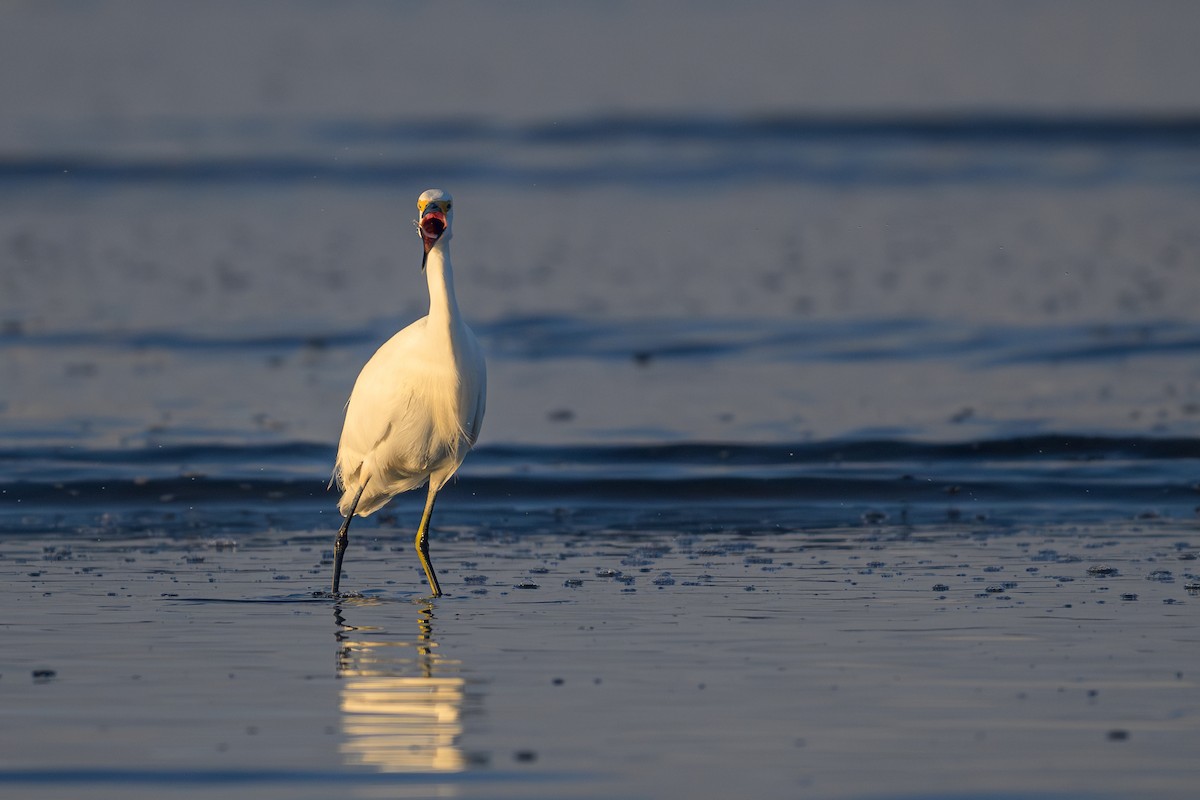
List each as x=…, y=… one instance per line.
x=417, y=406
x=443, y=205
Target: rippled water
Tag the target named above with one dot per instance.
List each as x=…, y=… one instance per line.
x=691, y=488
x=628, y=424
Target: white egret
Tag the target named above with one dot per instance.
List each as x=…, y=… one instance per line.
x=417, y=406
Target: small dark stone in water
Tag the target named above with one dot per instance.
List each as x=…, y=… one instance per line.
x=1191, y=588
x=525, y=756
x=43, y=675
x=561, y=415
x=572, y=583
x=1118, y=735
x=605, y=572
x=1129, y=596
x=1102, y=569
x=995, y=589
x=539, y=570
x=558, y=681
x=1161, y=575
x=941, y=587
x=475, y=580
x=526, y=585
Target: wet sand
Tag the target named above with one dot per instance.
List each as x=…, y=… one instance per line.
x=868, y=662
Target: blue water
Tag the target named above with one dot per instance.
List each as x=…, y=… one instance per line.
x=693, y=488
x=647, y=151
x=1114, y=437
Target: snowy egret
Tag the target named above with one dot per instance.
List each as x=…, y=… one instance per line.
x=417, y=405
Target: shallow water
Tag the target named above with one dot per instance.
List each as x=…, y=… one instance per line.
x=642, y=663
x=841, y=448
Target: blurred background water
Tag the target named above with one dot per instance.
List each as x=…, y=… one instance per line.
x=759, y=230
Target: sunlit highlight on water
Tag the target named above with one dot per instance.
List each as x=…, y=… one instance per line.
x=401, y=704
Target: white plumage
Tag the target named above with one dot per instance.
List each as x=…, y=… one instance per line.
x=417, y=406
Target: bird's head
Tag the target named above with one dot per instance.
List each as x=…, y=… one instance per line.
x=435, y=215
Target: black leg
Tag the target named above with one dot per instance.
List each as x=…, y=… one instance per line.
x=343, y=539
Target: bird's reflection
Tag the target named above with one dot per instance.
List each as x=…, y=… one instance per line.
x=402, y=704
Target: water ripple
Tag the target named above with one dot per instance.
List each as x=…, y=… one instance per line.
x=1069, y=477
x=631, y=150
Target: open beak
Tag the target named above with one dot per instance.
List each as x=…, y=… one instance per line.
x=431, y=226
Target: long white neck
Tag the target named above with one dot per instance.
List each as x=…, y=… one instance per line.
x=443, y=307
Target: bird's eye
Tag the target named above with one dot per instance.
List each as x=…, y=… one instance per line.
x=448, y=206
